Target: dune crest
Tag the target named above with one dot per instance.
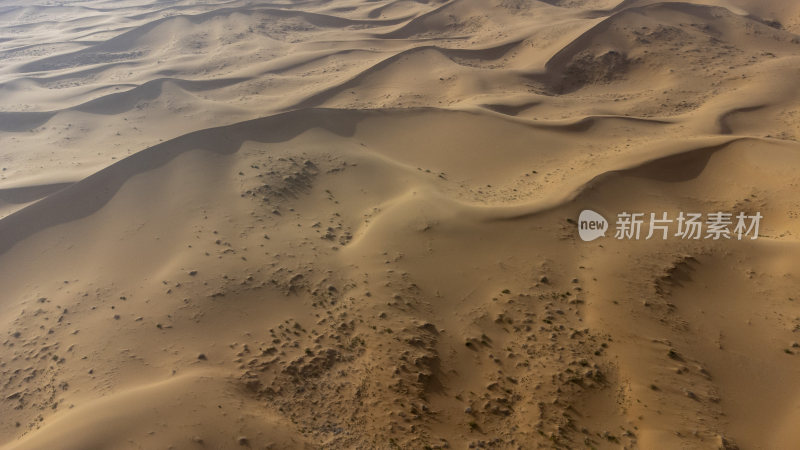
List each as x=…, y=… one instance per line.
x=352, y=224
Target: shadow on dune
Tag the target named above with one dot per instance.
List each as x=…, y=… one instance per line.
x=125, y=46
x=28, y=194
x=90, y=194
x=116, y=103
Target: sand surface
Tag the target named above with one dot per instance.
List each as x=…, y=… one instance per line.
x=351, y=224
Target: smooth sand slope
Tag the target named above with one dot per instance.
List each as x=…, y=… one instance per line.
x=351, y=224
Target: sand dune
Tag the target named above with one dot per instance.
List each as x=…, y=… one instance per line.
x=347, y=224
x=152, y=410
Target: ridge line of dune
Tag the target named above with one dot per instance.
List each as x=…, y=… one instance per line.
x=325, y=94
x=101, y=186
x=98, y=409
x=533, y=209
x=568, y=51
x=209, y=138
x=113, y=43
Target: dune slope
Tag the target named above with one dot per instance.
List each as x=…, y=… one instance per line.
x=353, y=224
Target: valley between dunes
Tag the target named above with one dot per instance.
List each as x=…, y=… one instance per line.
x=351, y=224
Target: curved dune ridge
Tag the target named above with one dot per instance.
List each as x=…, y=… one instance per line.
x=352, y=224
